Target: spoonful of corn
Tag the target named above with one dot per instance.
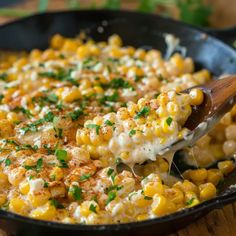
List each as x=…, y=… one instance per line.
x=147, y=129
x=210, y=102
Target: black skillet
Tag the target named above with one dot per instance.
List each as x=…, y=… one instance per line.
x=139, y=30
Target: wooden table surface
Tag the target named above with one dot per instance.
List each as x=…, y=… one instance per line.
x=220, y=222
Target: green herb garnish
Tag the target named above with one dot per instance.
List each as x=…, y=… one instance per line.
x=94, y=126
x=3, y=76
x=108, y=122
x=110, y=171
x=189, y=202
x=56, y=204
x=36, y=167
x=143, y=113
x=147, y=198
x=132, y=132
x=85, y=177
x=169, y=121
x=76, y=192
x=93, y=208
x=111, y=197
x=76, y=114
x=61, y=75
x=7, y=162
x=33, y=127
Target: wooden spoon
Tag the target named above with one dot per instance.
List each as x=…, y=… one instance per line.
x=219, y=98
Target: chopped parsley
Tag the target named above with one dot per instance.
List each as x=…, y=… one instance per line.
x=7, y=162
x=119, y=83
x=110, y=171
x=169, y=121
x=36, y=167
x=109, y=98
x=49, y=150
x=45, y=184
x=143, y=113
x=24, y=111
x=45, y=100
x=10, y=141
x=52, y=98
x=76, y=114
x=93, y=208
x=114, y=187
x=58, y=131
x=108, y=122
x=33, y=127
x=113, y=178
x=61, y=157
x=161, y=78
x=61, y=75
x=76, y=192
x=27, y=147
x=147, y=198
x=39, y=164
x=132, y=132
x=1, y=97
x=94, y=126
x=61, y=154
x=189, y=202
x=137, y=78
x=20, y=147
x=56, y=204
x=85, y=177
x=111, y=197
x=3, y=76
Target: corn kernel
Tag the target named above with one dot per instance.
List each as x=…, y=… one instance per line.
x=214, y=176
x=226, y=167
x=207, y=191
x=82, y=51
x=151, y=188
x=46, y=212
x=24, y=187
x=142, y=217
x=57, y=41
x=162, y=206
x=196, y=96
x=115, y=40
x=57, y=173
x=39, y=200
x=198, y=176
x=12, y=117
x=3, y=198
x=18, y=205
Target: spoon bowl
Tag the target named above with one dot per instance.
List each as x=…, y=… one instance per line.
x=219, y=98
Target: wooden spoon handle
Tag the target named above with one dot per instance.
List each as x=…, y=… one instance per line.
x=222, y=95
x=222, y=91
x=219, y=97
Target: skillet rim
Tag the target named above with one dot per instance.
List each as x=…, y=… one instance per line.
x=206, y=206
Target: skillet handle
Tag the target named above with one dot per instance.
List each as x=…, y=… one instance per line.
x=226, y=35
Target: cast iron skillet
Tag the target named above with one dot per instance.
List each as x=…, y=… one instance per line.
x=139, y=30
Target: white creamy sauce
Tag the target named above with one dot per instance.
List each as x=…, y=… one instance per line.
x=36, y=185
x=141, y=152
x=172, y=43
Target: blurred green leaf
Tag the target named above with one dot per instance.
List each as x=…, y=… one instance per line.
x=11, y=12
x=42, y=5
x=74, y=4
x=194, y=12
x=147, y=5
x=112, y=4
